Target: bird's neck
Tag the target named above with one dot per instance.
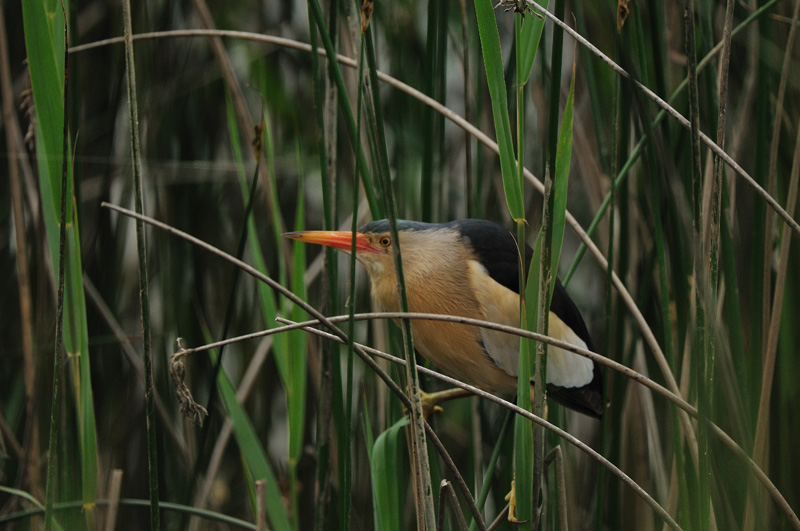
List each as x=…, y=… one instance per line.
x=439, y=285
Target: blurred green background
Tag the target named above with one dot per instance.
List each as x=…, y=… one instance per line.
x=279, y=406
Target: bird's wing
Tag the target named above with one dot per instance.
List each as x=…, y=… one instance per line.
x=501, y=305
x=495, y=278
x=496, y=249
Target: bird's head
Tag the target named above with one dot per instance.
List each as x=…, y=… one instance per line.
x=424, y=246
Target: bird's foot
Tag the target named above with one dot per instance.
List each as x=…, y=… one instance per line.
x=430, y=401
x=430, y=404
x=511, y=498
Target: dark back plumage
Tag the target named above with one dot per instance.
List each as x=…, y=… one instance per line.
x=496, y=248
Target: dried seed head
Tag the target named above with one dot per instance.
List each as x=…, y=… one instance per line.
x=177, y=371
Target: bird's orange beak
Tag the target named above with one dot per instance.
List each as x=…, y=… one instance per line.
x=337, y=239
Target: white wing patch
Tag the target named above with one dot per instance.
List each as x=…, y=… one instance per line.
x=564, y=368
x=501, y=305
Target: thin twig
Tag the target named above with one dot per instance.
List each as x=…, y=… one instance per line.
x=134, y=502
x=440, y=516
x=261, y=499
x=502, y=517
x=7, y=434
x=456, y=509
x=561, y=484
x=448, y=496
x=614, y=365
x=141, y=248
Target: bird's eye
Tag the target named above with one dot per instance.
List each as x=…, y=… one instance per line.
x=385, y=241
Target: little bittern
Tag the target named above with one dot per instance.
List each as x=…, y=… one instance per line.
x=470, y=268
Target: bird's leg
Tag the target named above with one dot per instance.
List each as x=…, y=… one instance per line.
x=511, y=497
x=431, y=401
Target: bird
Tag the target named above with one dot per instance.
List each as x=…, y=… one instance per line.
x=470, y=268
